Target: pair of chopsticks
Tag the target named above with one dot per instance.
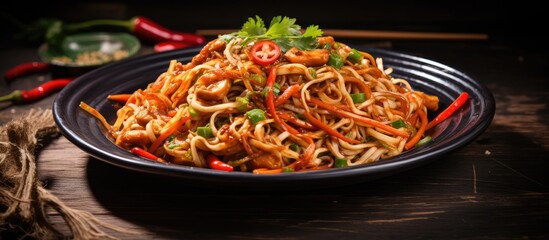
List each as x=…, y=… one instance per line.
x=372, y=34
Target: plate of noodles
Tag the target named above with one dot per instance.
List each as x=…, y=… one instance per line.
x=270, y=105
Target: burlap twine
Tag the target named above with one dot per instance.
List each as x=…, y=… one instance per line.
x=23, y=199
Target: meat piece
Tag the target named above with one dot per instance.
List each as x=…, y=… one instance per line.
x=309, y=58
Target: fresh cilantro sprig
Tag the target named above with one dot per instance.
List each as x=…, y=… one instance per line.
x=282, y=30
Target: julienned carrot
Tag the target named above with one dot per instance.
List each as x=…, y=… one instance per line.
x=413, y=118
x=119, y=97
x=267, y=171
x=319, y=124
x=286, y=95
x=292, y=167
x=321, y=167
x=361, y=84
x=297, y=122
x=412, y=142
x=96, y=114
x=358, y=118
x=460, y=100
x=307, y=155
x=168, y=132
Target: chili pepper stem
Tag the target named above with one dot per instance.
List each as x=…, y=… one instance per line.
x=14, y=96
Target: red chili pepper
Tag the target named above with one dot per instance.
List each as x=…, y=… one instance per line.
x=460, y=100
x=287, y=94
x=141, y=152
x=25, y=69
x=25, y=96
x=141, y=27
x=271, y=104
x=168, y=46
x=149, y=30
x=265, y=52
x=217, y=164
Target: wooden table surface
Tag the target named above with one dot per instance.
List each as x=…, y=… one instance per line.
x=496, y=187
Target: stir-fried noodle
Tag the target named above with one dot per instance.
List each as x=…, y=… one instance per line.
x=300, y=112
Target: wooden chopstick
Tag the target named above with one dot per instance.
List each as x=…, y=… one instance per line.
x=373, y=34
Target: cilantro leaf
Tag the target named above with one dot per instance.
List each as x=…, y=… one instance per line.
x=253, y=27
x=284, y=43
x=312, y=31
x=305, y=43
x=280, y=27
x=283, y=30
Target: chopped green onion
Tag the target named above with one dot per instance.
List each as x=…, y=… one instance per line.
x=358, y=97
x=276, y=90
x=205, y=131
x=242, y=102
x=354, y=56
x=340, y=162
x=294, y=147
x=260, y=80
x=256, y=115
x=173, y=145
x=327, y=46
x=335, y=61
x=312, y=71
x=287, y=169
x=423, y=141
x=399, y=124
x=192, y=112
x=170, y=138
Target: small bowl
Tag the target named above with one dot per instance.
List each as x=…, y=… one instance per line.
x=85, y=51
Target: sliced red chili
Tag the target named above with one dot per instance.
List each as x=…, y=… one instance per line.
x=217, y=164
x=141, y=152
x=287, y=94
x=265, y=52
x=460, y=100
x=271, y=104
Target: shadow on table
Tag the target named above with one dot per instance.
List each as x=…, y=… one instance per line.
x=465, y=185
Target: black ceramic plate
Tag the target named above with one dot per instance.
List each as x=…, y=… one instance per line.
x=124, y=77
